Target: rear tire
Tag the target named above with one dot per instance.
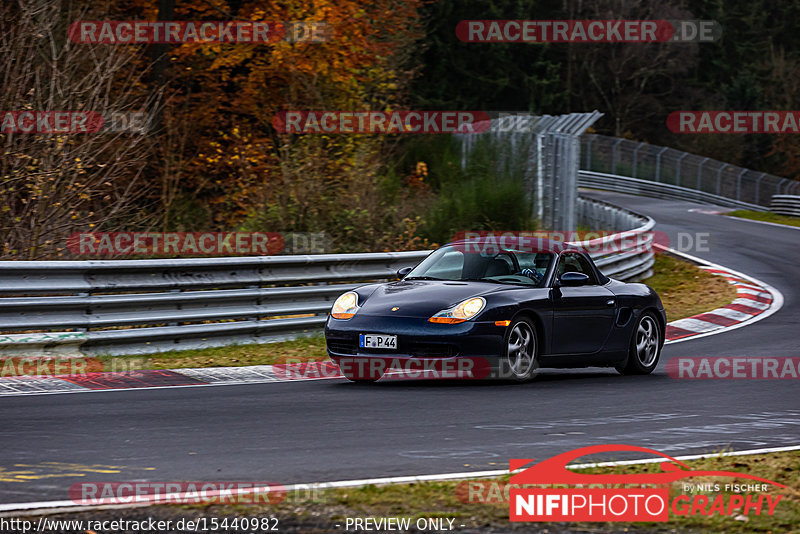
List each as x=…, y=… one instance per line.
x=645, y=347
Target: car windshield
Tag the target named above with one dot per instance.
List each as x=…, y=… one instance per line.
x=503, y=266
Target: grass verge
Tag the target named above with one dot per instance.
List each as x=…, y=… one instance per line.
x=450, y=499
x=685, y=290
x=765, y=216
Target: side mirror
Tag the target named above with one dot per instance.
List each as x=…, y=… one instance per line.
x=401, y=273
x=573, y=279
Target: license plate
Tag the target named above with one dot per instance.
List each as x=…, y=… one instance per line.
x=377, y=341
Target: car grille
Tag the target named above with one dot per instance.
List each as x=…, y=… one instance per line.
x=432, y=350
x=340, y=346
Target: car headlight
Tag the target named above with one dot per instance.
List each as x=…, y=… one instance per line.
x=345, y=306
x=461, y=312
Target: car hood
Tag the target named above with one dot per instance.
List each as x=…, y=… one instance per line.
x=422, y=298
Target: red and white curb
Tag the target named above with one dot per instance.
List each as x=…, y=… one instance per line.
x=755, y=300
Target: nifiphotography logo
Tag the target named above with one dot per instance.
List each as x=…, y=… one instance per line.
x=621, y=497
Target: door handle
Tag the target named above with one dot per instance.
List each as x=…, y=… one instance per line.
x=610, y=302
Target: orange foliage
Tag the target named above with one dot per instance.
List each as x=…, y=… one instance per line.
x=231, y=91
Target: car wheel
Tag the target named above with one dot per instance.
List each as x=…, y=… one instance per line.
x=520, y=354
x=645, y=347
x=360, y=370
x=361, y=380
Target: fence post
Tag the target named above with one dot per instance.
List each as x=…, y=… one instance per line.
x=700, y=173
x=658, y=164
x=719, y=178
x=636, y=158
x=739, y=185
x=678, y=172
x=614, y=156
x=758, y=186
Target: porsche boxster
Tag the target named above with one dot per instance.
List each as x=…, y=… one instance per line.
x=506, y=310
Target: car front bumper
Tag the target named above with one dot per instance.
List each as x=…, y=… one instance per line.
x=472, y=345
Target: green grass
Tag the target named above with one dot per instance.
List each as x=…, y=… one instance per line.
x=765, y=216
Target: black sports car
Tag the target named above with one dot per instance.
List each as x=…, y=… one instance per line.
x=501, y=311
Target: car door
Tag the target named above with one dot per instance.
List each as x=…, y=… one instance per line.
x=583, y=316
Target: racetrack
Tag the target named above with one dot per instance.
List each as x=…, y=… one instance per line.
x=328, y=430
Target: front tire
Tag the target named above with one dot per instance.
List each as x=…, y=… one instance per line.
x=520, y=352
x=645, y=347
x=360, y=370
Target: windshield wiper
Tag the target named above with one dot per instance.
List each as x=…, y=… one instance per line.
x=421, y=278
x=519, y=283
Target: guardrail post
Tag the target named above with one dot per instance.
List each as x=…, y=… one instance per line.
x=658, y=163
x=678, y=171
x=636, y=158
x=175, y=290
x=614, y=156
x=739, y=184
x=87, y=295
x=758, y=186
x=700, y=173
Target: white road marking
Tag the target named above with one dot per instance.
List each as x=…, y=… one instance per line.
x=52, y=506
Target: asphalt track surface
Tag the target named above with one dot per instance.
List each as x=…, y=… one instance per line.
x=330, y=430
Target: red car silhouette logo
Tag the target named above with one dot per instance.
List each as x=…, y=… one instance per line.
x=554, y=470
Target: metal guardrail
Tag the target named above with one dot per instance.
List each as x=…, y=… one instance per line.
x=144, y=306
x=785, y=205
x=637, y=186
x=626, y=254
x=666, y=169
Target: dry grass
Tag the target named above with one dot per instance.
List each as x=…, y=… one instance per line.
x=686, y=290
x=765, y=216
x=442, y=499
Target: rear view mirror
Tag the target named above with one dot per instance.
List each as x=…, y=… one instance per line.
x=573, y=279
x=401, y=273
